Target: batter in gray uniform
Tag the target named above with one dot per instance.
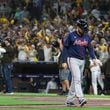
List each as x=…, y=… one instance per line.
x=78, y=44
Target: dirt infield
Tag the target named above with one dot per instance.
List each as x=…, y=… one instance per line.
x=92, y=102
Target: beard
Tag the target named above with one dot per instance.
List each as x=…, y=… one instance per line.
x=80, y=33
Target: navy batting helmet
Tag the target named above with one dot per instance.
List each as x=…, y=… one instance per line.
x=82, y=24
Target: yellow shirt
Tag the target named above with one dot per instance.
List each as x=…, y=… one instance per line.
x=103, y=47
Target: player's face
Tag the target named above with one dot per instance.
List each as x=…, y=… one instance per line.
x=80, y=30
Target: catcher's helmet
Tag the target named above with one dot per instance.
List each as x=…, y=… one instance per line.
x=82, y=24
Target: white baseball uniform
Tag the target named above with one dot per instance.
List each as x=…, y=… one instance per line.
x=96, y=75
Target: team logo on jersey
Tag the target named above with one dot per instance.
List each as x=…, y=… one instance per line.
x=80, y=42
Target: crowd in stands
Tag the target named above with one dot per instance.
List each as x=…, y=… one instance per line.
x=31, y=26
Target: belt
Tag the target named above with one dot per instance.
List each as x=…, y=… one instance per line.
x=78, y=58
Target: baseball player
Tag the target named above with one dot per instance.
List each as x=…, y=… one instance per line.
x=77, y=43
x=95, y=67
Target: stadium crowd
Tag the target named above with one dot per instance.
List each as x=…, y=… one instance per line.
x=32, y=26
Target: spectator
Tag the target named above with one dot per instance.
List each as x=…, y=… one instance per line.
x=6, y=66
x=51, y=85
x=32, y=54
x=22, y=52
x=103, y=50
x=64, y=71
x=47, y=52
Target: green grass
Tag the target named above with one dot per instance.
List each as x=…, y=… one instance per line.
x=53, y=95
x=14, y=100
x=17, y=99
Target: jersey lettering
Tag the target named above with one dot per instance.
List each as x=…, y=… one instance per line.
x=81, y=43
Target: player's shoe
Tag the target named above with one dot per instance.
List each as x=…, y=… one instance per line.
x=82, y=102
x=70, y=104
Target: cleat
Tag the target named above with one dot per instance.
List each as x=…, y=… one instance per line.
x=70, y=104
x=82, y=102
